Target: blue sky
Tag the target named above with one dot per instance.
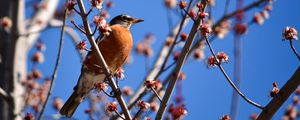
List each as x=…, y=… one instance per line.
x=207, y=95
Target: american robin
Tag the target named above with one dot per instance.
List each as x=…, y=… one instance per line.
x=115, y=49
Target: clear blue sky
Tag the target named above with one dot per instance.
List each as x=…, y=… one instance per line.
x=207, y=95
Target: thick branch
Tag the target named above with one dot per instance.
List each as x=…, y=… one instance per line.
x=159, y=63
x=180, y=62
x=284, y=93
x=101, y=59
x=40, y=20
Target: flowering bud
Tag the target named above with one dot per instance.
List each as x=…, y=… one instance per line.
x=120, y=74
x=143, y=105
x=258, y=18
x=127, y=91
x=183, y=37
x=170, y=3
x=38, y=57
x=240, y=29
x=101, y=86
x=36, y=74
x=275, y=90
x=182, y=4
x=225, y=117
x=111, y=107
x=81, y=45
x=222, y=57
x=70, y=5
x=211, y=61
x=290, y=33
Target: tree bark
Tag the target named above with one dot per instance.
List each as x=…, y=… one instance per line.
x=13, y=66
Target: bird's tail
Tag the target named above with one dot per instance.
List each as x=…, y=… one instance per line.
x=71, y=105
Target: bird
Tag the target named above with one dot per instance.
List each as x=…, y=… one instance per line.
x=115, y=49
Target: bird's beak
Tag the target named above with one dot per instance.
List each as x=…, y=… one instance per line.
x=137, y=21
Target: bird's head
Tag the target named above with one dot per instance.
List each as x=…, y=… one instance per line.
x=125, y=21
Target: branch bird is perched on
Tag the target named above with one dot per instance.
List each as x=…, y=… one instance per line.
x=115, y=49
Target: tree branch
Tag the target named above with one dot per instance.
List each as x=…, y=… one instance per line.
x=284, y=93
x=180, y=62
x=229, y=80
x=40, y=20
x=294, y=49
x=101, y=60
x=159, y=63
x=62, y=35
x=71, y=32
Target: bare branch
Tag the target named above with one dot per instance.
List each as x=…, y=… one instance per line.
x=62, y=35
x=101, y=60
x=180, y=62
x=294, y=50
x=71, y=32
x=76, y=26
x=40, y=20
x=160, y=62
x=229, y=80
x=156, y=94
x=284, y=93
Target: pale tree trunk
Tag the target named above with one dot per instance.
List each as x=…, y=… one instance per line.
x=13, y=66
x=14, y=47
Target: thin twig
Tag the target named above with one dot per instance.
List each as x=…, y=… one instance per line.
x=169, y=66
x=229, y=80
x=284, y=93
x=120, y=115
x=187, y=13
x=156, y=94
x=294, y=50
x=81, y=30
x=137, y=114
x=102, y=62
x=76, y=11
x=62, y=34
x=95, y=30
x=91, y=9
x=109, y=95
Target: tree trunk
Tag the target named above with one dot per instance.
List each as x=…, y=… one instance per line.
x=13, y=56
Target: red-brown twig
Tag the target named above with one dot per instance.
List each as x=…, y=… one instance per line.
x=62, y=34
x=76, y=26
x=156, y=94
x=229, y=80
x=284, y=93
x=294, y=50
x=101, y=60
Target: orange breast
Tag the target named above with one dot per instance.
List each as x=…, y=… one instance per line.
x=115, y=48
